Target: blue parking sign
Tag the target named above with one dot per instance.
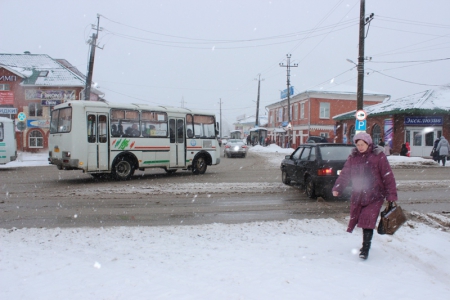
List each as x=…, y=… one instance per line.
x=361, y=125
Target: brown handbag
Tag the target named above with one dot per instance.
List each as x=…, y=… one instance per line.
x=391, y=219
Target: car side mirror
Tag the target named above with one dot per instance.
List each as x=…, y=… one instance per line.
x=287, y=157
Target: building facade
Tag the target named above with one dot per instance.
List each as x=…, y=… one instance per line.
x=311, y=114
x=418, y=119
x=30, y=85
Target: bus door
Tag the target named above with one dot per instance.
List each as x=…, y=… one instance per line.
x=177, y=146
x=97, y=135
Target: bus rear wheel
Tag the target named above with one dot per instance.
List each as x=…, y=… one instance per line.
x=199, y=165
x=123, y=169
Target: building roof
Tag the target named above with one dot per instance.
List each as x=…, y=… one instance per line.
x=30, y=66
x=427, y=102
x=332, y=91
x=263, y=121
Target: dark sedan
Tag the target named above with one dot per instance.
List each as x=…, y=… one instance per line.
x=316, y=167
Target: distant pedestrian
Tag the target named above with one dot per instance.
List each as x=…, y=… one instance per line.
x=409, y=149
x=435, y=153
x=249, y=140
x=387, y=149
x=443, y=149
x=381, y=143
x=368, y=169
x=404, y=150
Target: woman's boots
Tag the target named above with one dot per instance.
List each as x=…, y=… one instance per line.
x=367, y=238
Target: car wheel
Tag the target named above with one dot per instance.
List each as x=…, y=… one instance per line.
x=228, y=155
x=309, y=188
x=199, y=165
x=123, y=169
x=285, y=177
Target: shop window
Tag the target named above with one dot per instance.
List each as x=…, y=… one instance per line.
x=417, y=141
x=35, y=110
x=376, y=134
x=36, y=140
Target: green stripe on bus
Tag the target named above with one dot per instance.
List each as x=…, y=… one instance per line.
x=2, y=144
x=2, y=156
x=156, y=161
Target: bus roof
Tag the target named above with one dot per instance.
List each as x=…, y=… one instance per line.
x=138, y=106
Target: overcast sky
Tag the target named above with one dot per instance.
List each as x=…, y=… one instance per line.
x=199, y=53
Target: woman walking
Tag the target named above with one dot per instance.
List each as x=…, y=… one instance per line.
x=372, y=181
x=443, y=149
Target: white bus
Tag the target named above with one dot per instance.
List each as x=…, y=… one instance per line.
x=8, y=143
x=105, y=138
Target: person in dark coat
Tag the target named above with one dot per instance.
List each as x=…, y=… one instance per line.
x=372, y=180
x=436, y=156
x=404, y=150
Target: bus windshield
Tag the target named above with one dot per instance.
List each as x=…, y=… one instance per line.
x=61, y=120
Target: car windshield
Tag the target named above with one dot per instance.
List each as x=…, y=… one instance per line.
x=335, y=152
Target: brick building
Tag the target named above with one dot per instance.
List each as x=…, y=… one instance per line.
x=312, y=112
x=418, y=119
x=30, y=85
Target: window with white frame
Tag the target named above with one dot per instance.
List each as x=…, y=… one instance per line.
x=4, y=87
x=302, y=111
x=35, y=110
x=36, y=140
x=325, y=134
x=295, y=116
x=324, y=110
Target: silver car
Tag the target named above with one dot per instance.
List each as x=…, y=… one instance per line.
x=235, y=147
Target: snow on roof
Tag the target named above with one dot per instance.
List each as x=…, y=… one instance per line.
x=332, y=88
x=263, y=121
x=28, y=66
x=429, y=101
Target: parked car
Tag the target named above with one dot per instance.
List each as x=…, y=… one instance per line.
x=235, y=147
x=316, y=166
x=317, y=139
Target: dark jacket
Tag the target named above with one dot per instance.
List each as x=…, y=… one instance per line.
x=372, y=182
x=404, y=150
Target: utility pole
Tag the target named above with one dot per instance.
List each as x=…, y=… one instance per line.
x=363, y=21
x=257, y=101
x=93, y=43
x=182, y=101
x=221, y=125
x=288, y=69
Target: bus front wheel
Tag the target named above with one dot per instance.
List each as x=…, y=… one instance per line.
x=199, y=165
x=123, y=169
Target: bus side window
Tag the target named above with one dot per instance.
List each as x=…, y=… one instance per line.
x=114, y=130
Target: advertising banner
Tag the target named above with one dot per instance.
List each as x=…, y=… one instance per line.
x=389, y=131
x=6, y=97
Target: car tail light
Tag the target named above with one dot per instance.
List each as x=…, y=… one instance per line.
x=244, y=147
x=227, y=146
x=325, y=172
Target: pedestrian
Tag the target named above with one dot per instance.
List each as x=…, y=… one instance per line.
x=381, y=143
x=387, y=149
x=443, y=149
x=409, y=149
x=368, y=169
x=249, y=140
x=404, y=150
x=434, y=152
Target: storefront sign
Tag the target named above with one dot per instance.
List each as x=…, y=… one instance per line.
x=6, y=97
x=38, y=123
x=8, y=111
x=8, y=78
x=50, y=102
x=49, y=94
x=421, y=121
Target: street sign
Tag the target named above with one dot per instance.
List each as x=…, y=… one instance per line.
x=361, y=125
x=21, y=126
x=21, y=116
x=361, y=115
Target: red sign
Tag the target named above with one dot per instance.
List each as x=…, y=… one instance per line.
x=6, y=97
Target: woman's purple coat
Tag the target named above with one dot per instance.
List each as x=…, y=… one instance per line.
x=372, y=181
